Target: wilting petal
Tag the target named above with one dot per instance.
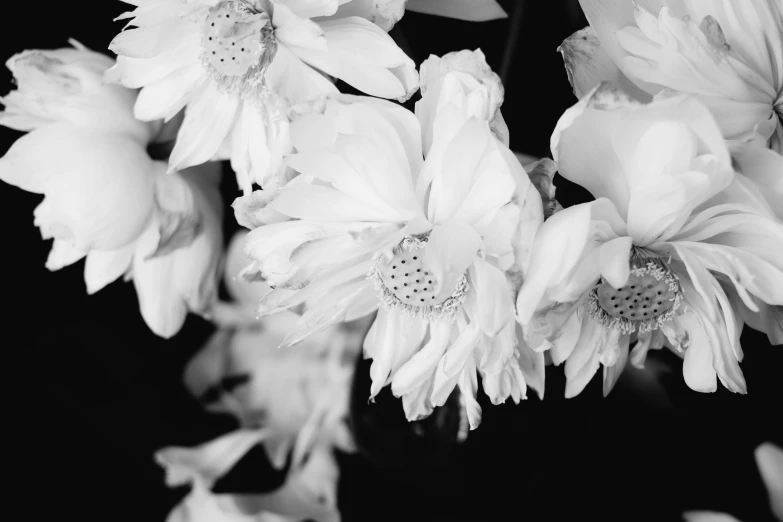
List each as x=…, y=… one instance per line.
x=584, y=361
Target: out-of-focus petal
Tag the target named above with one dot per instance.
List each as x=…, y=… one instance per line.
x=468, y=10
x=769, y=459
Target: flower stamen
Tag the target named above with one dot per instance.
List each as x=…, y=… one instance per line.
x=238, y=44
x=404, y=283
x=649, y=299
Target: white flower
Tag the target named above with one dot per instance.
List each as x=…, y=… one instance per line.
x=105, y=199
x=648, y=259
x=728, y=54
x=371, y=223
x=236, y=66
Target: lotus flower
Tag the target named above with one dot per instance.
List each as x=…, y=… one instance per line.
x=371, y=224
x=648, y=260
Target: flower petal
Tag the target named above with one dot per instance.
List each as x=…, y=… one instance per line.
x=393, y=338
x=451, y=249
x=588, y=64
x=421, y=367
x=102, y=268
x=364, y=56
x=468, y=10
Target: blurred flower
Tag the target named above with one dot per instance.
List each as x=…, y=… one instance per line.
x=104, y=197
x=309, y=492
x=769, y=459
x=647, y=259
x=293, y=402
x=727, y=54
x=368, y=223
x=238, y=65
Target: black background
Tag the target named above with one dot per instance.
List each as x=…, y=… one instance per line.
x=91, y=393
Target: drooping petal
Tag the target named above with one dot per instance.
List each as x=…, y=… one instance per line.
x=393, y=338
x=420, y=368
x=489, y=302
x=208, y=120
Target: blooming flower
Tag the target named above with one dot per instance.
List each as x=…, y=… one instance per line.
x=727, y=54
x=435, y=236
x=105, y=199
x=237, y=66
x=648, y=260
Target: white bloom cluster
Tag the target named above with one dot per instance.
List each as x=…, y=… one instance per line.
x=458, y=263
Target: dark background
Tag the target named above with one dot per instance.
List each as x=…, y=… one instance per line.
x=91, y=393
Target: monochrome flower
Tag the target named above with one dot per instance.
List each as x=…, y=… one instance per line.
x=236, y=66
x=727, y=54
x=369, y=223
x=105, y=199
x=648, y=259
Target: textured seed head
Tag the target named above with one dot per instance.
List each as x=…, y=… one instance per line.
x=237, y=43
x=408, y=280
x=643, y=297
x=649, y=298
x=406, y=283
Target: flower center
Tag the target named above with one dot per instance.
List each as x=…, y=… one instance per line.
x=238, y=45
x=404, y=282
x=649, y=298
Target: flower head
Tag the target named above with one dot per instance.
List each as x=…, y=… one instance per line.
x=239, y=65
x=727, y=54
x=105, y=199
x=373, y=222
x=648, y=261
